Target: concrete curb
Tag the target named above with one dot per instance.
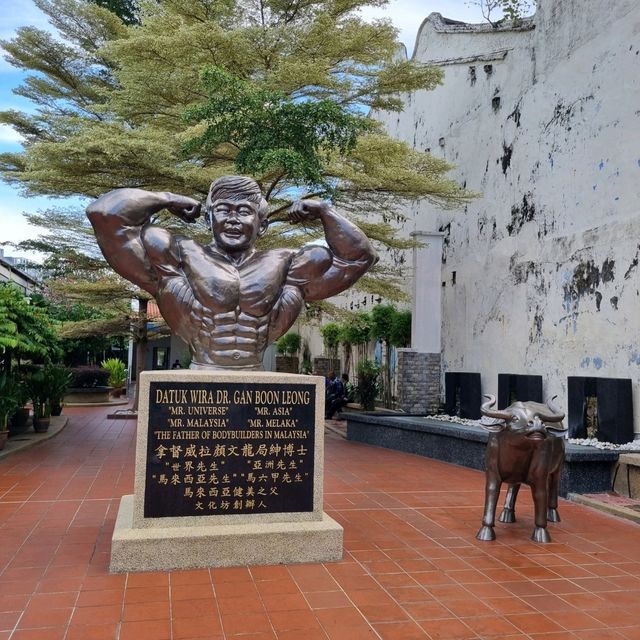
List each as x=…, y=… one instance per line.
x=29, y=438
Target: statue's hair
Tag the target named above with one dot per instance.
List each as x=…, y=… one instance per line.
x=236, y=188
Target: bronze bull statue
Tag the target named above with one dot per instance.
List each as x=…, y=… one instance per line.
x=522, y=450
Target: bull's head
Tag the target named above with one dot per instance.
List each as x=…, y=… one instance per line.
x=531, y=419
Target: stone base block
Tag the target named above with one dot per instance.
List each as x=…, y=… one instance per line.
x=158, y=549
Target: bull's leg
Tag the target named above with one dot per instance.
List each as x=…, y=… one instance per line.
x=540, y=501
x=509, y=510
x=491, y=493
x=554, y=486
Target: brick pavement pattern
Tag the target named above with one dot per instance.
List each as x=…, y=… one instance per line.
x=412, y=568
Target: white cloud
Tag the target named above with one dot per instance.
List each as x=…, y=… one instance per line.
x=7, y=134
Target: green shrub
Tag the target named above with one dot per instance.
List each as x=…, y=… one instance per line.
x=89, y=377
x=367, y=388
x=117, y=372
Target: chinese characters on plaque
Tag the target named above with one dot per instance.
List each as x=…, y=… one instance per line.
x=229, y=448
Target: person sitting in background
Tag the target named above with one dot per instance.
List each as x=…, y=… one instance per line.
x=333, y=390
x=341, y=398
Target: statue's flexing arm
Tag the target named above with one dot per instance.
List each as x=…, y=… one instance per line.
x=119, y=217
x=319, y=272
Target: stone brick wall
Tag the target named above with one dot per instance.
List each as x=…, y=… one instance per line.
x=418, y=382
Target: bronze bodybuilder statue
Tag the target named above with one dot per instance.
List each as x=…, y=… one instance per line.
x=227, y=300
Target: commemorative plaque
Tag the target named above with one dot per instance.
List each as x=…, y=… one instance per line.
x=229, y=448
x=228, y=472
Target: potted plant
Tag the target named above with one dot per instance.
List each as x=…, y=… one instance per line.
x=367, y=389
x=117, y=375
x=19, y=420
x=35, y=385
x=9, y=402
x=57, y=379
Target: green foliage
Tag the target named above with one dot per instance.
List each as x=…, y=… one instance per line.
x=382, y=319
x=89, y=332
x=330, y=333
x=368, y=387
x=400, y=335
x=274, y=134
x=89, y=377
x=46, y=387
x=356, y=329
x=285, y=87
x=117, y=372
x=57, y=381
x=289, y=344
x=10, y=398
x=26, y=331
x=126, y=10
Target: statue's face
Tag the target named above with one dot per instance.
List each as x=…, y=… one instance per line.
x=236, y=224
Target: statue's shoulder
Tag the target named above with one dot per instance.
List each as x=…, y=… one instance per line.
x=188, y=246
x=274, y=255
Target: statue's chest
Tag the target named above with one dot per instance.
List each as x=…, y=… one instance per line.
x=253, y=287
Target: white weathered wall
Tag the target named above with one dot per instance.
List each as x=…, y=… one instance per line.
x=546, y=262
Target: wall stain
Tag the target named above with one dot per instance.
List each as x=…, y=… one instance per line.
x=520, y=214
x=515, y=115
x=535, y=332
x=633, y=265
x=562, y=114
x=607, y=271
x=585, y=281
x=446, y=241
x=505, y=160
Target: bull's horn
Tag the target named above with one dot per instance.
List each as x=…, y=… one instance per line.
x=555, y=416
x=500, y=415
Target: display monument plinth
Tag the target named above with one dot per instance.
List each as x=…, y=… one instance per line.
x=229, y=472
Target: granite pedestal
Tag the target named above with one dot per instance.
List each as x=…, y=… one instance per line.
x=229, y=472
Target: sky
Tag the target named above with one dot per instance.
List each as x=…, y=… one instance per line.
x=407, y=15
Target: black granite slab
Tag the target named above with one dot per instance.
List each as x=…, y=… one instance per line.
x=465, y=387
x=615, y=407
x=586, y=469
x=515, y=386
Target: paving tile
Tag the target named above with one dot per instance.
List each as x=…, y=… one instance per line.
x=146, y=630
x=401, y=631
x=327, y=599
x=448, y=629
x=93, y=632
x=412, y=567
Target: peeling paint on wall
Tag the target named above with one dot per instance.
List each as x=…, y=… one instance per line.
x=633, y=265
x=524, y=212
x=505, y=159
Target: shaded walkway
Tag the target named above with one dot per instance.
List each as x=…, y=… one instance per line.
x=411, y=568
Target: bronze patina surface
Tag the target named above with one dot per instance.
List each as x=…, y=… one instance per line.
x=227, y=300
x=522, y=450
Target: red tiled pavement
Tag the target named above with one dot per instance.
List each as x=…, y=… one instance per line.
x=411, y=567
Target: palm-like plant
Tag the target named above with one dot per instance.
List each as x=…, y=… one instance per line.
x=10, y=399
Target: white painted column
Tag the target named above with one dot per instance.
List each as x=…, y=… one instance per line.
x=426, y=316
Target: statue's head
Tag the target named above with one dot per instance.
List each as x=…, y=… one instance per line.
x=237, y=212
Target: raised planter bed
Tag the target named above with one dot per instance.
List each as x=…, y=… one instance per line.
x=586, y=469
x=89, y=395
